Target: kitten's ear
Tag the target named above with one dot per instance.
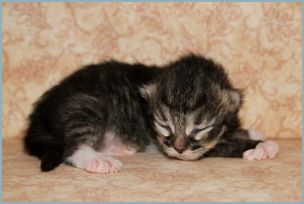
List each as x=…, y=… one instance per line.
x=147, y=91
x=235, y=98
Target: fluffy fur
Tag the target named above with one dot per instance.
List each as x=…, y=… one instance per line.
x=94, y=106
x=189, y=107
x=195, y=109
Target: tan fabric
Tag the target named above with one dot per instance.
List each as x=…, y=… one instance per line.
x=259, y=44
x=152, y=177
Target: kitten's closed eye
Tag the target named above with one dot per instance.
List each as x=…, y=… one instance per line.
x=199, y=132
x=216, y=131
x=163, y=129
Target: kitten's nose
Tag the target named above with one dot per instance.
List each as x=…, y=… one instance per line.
x=180, y=145
x=180, y=149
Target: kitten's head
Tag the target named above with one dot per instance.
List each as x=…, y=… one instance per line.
x=190, y=104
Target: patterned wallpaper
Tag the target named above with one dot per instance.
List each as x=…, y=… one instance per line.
x=258, y=43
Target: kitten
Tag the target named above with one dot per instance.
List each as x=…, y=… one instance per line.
x=93, y=114
x=189, y=107
x=195, y=109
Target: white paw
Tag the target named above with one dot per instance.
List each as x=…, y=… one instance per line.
x=88, y=159
x=104, y=165
x=255, y=135
x=264, y=150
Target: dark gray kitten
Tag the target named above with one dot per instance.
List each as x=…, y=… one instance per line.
x=96, y=112
x=189, y=107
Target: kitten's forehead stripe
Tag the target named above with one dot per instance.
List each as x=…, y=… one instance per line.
x=190, y=124
x=161, y=122
x=169, y=118
x=206, y=123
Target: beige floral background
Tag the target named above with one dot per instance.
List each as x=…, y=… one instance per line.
x=258, y=43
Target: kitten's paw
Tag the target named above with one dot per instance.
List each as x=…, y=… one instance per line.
x=263, y=150
x=104, y=165
x=255, y=135
x=85, y=157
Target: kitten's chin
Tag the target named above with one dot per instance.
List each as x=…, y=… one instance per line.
x=188, y=155
x=185, y=157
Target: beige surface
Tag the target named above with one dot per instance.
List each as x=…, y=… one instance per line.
x=259, y=44
x=150, y=176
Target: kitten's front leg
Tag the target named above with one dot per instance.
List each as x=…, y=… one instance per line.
x=85, y=157
x=246, y=144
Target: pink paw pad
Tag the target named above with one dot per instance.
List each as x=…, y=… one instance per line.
x=104, y=166
x=264, y=150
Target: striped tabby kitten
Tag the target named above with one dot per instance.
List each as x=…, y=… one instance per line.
x=195, y=109
x=189, y=107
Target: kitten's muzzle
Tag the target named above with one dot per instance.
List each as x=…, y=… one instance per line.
x=180, y=145
x=180, y=150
